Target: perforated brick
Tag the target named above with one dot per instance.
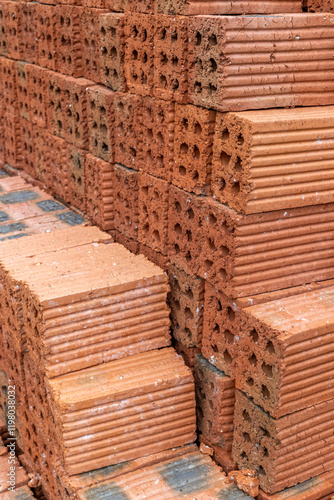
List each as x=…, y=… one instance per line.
x=128, y=132
x=157, y=147
x=3, y=37
x=27, y=33
x=194, y=129
x=56, y=175
x=13, y=24
x=219, y=7
x=12, y=143
x=186, y=299
x=38, y=170
x=68, y=43
x=37, y=94
x=320, y=5
x=56, y=103
x=139, y=53
x=101, y=121
x=99, y=191
x=91, y=47
x=46, y=26
x=112, y=46
x=170, y=58
x=126, y=212
x=153, y=212
x=8, y=85
x=22, y=89
x=76, y=177
x=215, y=395
x=27, y=145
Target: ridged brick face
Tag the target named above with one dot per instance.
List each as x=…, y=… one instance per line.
x=273, y=159
x=194, y=128
x=317, y=488
x=231, y=70
x=100, y=122
x=112, y=42
x=274, y=447
x=126, y=201
x=203, y=7
x=170, y=58
x=186, y=300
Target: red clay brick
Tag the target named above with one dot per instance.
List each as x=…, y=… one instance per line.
x=27, y=145
x=27, y=33
x=220, y=455
x=57, y=177
x=238, y=62
x=117, y=5
x=214, y=7
x=38, y=170
x=111, y=55
x=13, y=25
x=46, y=26
x=21, y=78
x=215, y=394
x=91, y=47
x=129, y=243
x=259, y=158
x=128, y=133
x=101, y=122
x=318, y=488
x=12, y=143
x=75, y=194
x=139, y=53
x=37, y=95
x=320, y=5
x=99, y=183
x=156, y=257
x=2, y=138
x=68, y=42
x=126, y=201
x=157, y=146
x=194, y=128
x=186, y=300
x=8, y=86
x=153, y=212
x=3, y=37
x=170, y=58
x=56, y=103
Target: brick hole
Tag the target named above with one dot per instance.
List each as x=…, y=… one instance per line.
x=235, y=188
x=207, y=265
x=212, y=89
x=177, y=305
x=182, y=170
x=250, y=381
x=146, y=228
x=175, y=61
x=163, y=58
x=253, y=360
x=178, y=207
x=240, y=140
x=197, y=153
x=230, y=313
x=246, y=416
x=188, y=313
x=244, y=456
x=270, y=347
x=188, y=256
x=178, y=229
x=198, y=87
x=149, y=155
x=227, y=357
x=190, y=294
x=198, y=38
x=224, y=251
x=184, y=148
x=265, y=392
x=267, y=370
x=211, y=244
x=246, y=437
x=134, y=31
x=212, y=220
x=213, y=40
x=185, y=123
x=105, y=147
x=190, y=213
x=265, y=432
x=229, y=337
x=163, y=80
x=254, y=336
x=261, y=470
x=265, y=452
x=222, y=274
x=163, y=34
x=219, y=305
x=188, y=333
x=156, y=236
x=225, y=159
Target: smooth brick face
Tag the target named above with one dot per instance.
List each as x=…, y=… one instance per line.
x=37, y=95
x=76, y=176
x=101, y=122
x=22, y=90
x=68, y=46
x=215, y=403
x=139, y=55
x=186, y=299
x=197, y=7
x=90, y=22
x=194, y=128
x=126, y=201
x=46, y=25
x=157, y=126
x=8, y=85
x=170, y=58
x=128, y=132
x=76, y=113
x=99, y=194
x=153, y=212
x=112, y=45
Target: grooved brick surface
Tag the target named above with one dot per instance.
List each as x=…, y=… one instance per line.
x=186, y=299
x=301, y=442
x=273, y=159
x=317, y=488
x=111, y=41
x=219, y=7
x=254, y=62
x=194, y=128
x=126, y=201
x=100, y=121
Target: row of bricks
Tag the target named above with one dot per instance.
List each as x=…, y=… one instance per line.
x=198, y=150
x=197, y=59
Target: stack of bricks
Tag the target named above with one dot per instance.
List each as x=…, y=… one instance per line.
x=201, y=138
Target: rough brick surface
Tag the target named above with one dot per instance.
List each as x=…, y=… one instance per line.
x=76, y=177
x=90, y=23
x=21, y=79
x=156, y=154
x=273, y=159
x=301, y=441
x=56, y=103
x=170, y=58
x=27, y=145
x=215, y=395
x=320, y=5
x=186, y=300
x=8, y=86
x=220, y=455
x=111, y=42
x=99, y=193
x=37, y=95
x=56, y=168
x=3, y=38
x=13, y=24
x=100, y=121
x=68, y=42
x=12, y=142
x=139, y=53
x=156, y=257
x=27, y=33
x=254, y=62
x=194, y=128
x=126, y=201
x=202, y=7
x=128, y=133
x=317, y=488
x=153, y=212
x=38, y=170
x=46, y=26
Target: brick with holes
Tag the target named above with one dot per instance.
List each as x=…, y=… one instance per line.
x=90, y=22
x=13, y=26
x=194, y=129
x=250, y=254
x=170, y=58
x=117, y=5
x=76, y=112
x=8, y=85
x=219, y=7
x=126, y=201
x=320, y=5
x=290, y=339
x=220, y=455
x=156, y=257
x=46, y=32
x=56, y=106
x=75, y=194
x=101, y=122
x=250, y=62
x=37, y=94
x=128, y=130
x=56, y=175
x=3, y=37
x=38, y=170
x=12, y=139
x=27, y=145
x=186, y=300
x=2, y=138
x=301, y=442
x=68, y=42
x=157, y=147
x=21, y=78
x=27, y=33
x=139, y=53
x=153, y=212
x=112, y=45
x=99, y=194
x=142, y=6
x=318, y=488
x=215, y=395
